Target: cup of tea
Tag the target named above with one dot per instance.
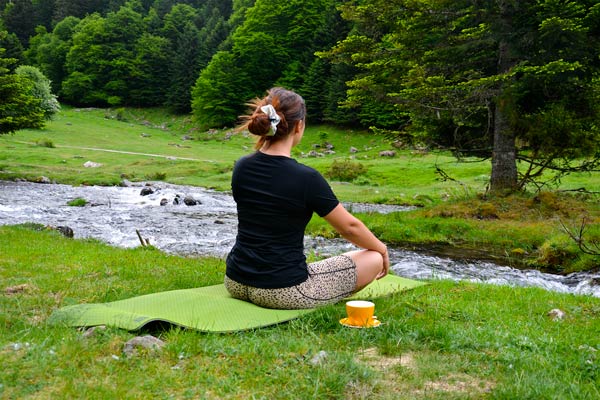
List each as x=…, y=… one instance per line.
x=360, y=312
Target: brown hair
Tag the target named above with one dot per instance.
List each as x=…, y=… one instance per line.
x=290, y=108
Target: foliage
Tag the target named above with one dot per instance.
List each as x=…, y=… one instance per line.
x=217, y=92
x=274, y=45
x=477, y=75
x=18, y=19
x=19, y=108
x=12, y=46
x=49, y=51
x=129, y=52
x=40, y=90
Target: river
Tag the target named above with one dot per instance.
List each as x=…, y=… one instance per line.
x=113, y=214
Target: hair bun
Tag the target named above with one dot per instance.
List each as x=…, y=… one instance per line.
x=259, y=124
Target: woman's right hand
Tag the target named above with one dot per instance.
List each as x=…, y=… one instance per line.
x=386, y=265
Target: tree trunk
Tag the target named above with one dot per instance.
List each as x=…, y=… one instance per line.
x=504, y=160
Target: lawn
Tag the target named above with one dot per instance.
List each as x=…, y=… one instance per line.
x=445, y=340
x=523, y=230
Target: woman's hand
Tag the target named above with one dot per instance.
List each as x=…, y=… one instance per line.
x=386, y=265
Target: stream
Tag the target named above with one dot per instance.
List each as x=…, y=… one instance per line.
x=113, y=214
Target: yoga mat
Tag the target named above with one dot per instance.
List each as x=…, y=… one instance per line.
x=209, y=309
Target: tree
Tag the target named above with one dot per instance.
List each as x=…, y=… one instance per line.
x=150, y=71
x=499, y=78
x=275, y=43
x=40, y=89
x=18, y=108
x=79, y=8
x=101, y=60
x=216, y=93
x=49, y=51
x=12, y=46
x=185, y=49
x=19, y=18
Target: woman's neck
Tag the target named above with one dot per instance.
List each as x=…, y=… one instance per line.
x=279, y=148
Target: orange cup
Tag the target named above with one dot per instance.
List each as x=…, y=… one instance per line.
x=360, y=312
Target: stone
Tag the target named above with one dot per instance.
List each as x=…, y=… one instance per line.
x=556, y=314
x=353, y=150
x=65, y=230
x=22, y=288
x=90, y=332
x=146, y=191
x=190, y=201
x=164, y=202
x=148, y=342
x=318, y=358
x=91, y=164
x=387, y=153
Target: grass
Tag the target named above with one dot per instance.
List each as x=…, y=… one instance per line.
x=524, y=230
x=445, y=340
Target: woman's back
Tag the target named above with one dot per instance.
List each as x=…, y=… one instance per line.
x=275, y=197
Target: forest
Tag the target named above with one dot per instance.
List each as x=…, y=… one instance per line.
x=514, y=81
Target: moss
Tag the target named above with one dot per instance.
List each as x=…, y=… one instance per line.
x=78, y=202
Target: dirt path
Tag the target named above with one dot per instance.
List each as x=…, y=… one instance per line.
x=126, y=152
x=133, y=153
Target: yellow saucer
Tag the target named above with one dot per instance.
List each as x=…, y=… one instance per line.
x=374, y=324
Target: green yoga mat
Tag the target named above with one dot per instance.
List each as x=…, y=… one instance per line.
x=209, y=309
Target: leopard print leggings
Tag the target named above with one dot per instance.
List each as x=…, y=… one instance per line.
x=329, y=281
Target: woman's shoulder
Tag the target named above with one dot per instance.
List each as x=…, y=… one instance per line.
x=309, y=171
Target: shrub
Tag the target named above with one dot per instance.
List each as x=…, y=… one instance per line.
x=556, y=254
x=345, y=170
x=157, y=176
x=45, y=142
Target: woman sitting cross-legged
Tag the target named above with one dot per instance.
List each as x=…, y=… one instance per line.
x=276, y=197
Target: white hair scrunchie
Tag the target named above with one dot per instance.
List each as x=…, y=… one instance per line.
x=273, y=117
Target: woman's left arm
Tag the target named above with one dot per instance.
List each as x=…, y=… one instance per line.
x=355, y=231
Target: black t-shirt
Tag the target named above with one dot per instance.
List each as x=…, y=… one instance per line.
x=275, y=198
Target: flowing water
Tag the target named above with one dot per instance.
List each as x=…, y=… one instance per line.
x=113, y=214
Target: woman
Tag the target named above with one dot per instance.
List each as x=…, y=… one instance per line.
x=275, y=198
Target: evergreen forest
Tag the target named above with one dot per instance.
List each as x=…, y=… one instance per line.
x=513, y=81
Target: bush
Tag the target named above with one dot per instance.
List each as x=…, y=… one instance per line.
x=45, y=142
x=556, y=254
x=345, y=170
x=41, y=90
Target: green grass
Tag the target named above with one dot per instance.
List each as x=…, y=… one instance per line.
x=148, y=144
x=442, y=341
x=157, y=139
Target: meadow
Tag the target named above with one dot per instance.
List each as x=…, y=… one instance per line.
x=522, y=230
x=444, y=340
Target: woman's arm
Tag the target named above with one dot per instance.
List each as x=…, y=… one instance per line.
x=355, y=231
